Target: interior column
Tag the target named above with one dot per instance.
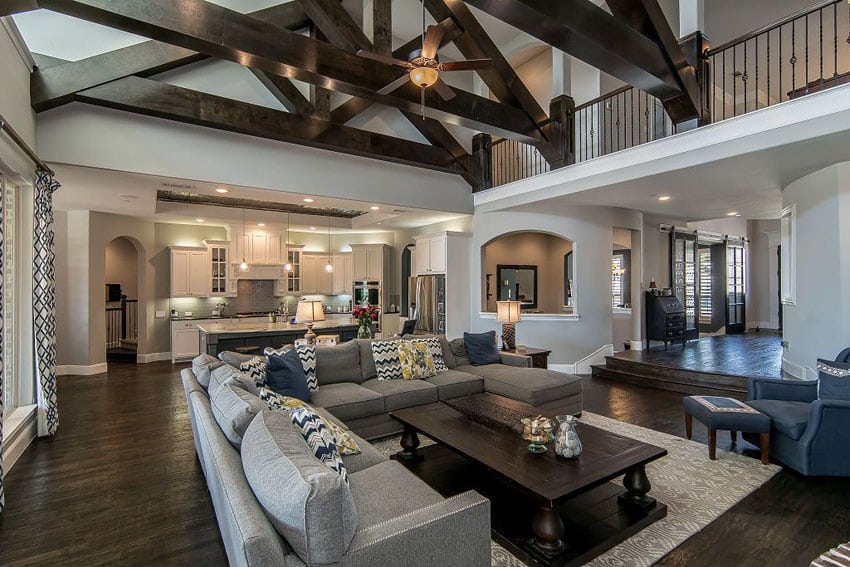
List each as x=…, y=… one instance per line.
x=637, y=291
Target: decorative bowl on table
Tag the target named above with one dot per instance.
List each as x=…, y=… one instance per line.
x=538, y=432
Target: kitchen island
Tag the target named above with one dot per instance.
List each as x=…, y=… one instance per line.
x=217, y=337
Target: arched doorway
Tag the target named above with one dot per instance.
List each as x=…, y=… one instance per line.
x=121, y=277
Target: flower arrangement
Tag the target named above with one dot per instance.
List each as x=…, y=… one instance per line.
x=365, y=314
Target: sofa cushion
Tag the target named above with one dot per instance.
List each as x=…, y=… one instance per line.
x=833, y=380
x=367, y=457
x=285, y=375
x=481, y=348
x=533, y=386
x=226, y=372
x=416, y=360
x=319, y=438
x=234, y=359
x=403, y=393
x=367, y=363
x=307, y=503
x=255, y=368
x=789, y=418
x=454, y=383
x=385, y=357
x=348, y=401
x=342, y=438
x=234, y=408
x=400, y=492
x=338, y=363
x=202, y=365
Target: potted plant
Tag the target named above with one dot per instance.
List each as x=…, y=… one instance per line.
x=365, y=315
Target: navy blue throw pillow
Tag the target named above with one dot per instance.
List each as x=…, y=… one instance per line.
x=481, y=348
x=833, y=380
x=285, y=375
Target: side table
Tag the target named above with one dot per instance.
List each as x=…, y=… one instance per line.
x=539, y=356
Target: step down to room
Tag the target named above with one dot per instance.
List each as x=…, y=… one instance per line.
x=673, y=379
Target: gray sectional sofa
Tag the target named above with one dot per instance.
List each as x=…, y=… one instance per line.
x=277, y=505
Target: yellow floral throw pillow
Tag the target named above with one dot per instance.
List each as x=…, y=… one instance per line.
x=341, y=438
x=416, y=360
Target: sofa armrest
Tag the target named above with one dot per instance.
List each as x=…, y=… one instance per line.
x=518, y=360
x=455, y=531
x=828, y=417
x=786, y=390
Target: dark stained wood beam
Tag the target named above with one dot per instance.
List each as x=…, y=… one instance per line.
x=320, y=98
x=10, y=7
x=589, y=33
x=382, y=26
x=341, y=30
x=161, y=100
x=210, y=29
x=54, y=86
x=647, y=18
x=285, y=92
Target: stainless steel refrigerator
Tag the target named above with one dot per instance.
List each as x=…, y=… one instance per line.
x=428, y=305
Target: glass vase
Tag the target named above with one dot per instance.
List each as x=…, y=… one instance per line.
x=364, y=331
x=567, y=443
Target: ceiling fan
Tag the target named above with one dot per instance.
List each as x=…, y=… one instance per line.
x=424, y=65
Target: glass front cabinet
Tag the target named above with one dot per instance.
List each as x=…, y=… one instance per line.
x=291, y=282
x=222, y=283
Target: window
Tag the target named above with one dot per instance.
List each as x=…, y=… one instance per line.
x=787, y=256
x=705, y=312
x=10, y=256
x=617, y=271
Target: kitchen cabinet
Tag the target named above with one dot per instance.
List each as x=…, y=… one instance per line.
x=259, y=248
x=343, y=274
x=189, y=272
x=222, y=278
x=370, y=262
x=316, y=279
x=309, y=274
x=290, y=283
x=431, y=253
x=185, y=339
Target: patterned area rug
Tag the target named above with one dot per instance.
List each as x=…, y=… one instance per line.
x=695, y=490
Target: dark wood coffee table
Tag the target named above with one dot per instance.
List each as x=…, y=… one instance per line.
x=546, y=481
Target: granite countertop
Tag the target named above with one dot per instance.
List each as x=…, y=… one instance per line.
x=195, y=317
x=237, y=327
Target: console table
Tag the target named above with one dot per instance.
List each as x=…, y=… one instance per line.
x=539, y=356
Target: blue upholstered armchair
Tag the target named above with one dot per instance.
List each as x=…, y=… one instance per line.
x=808, y=434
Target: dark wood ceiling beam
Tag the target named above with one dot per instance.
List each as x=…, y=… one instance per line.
x=382, y=26
x=54, y=86
x=341, y=30
x=10, y=7
x=161, y=100
x=647, y=18
x=589, y=33
x=208, y=28
x=285, y=92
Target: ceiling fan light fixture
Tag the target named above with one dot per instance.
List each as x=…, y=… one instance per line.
x=424, y=76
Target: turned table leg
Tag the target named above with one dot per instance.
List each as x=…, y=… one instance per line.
x=637, y=486
x=409, y=446
x=765, y=448
x=712, y=444
x=689, y=425
x=548, y=529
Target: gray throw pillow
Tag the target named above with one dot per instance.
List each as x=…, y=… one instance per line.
x=338, y=363
x=202, y=365
x=308, y=504
x=234, y=358
x=234, y=408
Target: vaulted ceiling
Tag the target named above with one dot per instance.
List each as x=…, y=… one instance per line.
x=315, y=42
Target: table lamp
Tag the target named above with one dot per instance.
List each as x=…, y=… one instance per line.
x=309, y=312
x=508, y=313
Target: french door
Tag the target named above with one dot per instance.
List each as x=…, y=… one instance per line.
x=736, y=289
x=684, y=256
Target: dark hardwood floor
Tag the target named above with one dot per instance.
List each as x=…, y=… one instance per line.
x=120, y=484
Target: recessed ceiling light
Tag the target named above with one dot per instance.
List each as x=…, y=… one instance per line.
x=308, y=200
x=377, y=223
x=732, y=214
x=664, y=198
x=199, y=220
x=261, y=224
x=375, y=208
x=222, y=190
x=312, y=228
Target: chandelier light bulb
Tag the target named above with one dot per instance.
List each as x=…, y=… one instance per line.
x=424, y=76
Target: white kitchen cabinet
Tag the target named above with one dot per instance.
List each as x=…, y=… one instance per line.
x=361, y=263
x=185, y=340
x=326, y=278
x=259, y=242
x=309, y=274
x=431, y=254
x=259, y=248
x=273, y=249
x=343, y=274
x=189, y=272
x=222, y=278
x=370, y=262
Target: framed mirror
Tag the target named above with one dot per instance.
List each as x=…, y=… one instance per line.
x=518, y=283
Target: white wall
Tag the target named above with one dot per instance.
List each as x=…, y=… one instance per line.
x=818, y=324
x=15, y=106
x=763, y=291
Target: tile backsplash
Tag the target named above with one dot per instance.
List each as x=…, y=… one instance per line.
x=254, y=295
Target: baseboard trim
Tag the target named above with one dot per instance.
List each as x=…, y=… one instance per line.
x=798, y=371
x=637, y=345
x=582, y=366
x=152, y=357
x=17, y=440
x=80, y=370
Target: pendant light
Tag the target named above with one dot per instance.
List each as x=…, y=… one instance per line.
x=329, y=267
x=244, y=265
x=287, y=267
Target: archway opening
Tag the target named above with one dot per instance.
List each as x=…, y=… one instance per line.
x=121, y=277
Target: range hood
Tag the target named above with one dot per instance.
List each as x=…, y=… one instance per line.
x=259, y=272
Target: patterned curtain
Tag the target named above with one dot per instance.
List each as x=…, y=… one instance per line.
x=44, y=303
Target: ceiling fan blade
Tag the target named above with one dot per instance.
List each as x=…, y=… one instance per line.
x=383, y=59
x=398, y=83
x=468, y=65
x=431, y=42
x=445, y=91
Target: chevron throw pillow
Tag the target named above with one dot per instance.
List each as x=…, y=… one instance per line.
x=341, y=438
x=436, y=350
x=256, y=369
x=315, y=432
x=387, y=361
x=307, y=354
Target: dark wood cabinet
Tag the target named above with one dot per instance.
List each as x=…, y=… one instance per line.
x=665, y=319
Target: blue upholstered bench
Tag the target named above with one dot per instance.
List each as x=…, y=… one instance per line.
x=717, y=412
